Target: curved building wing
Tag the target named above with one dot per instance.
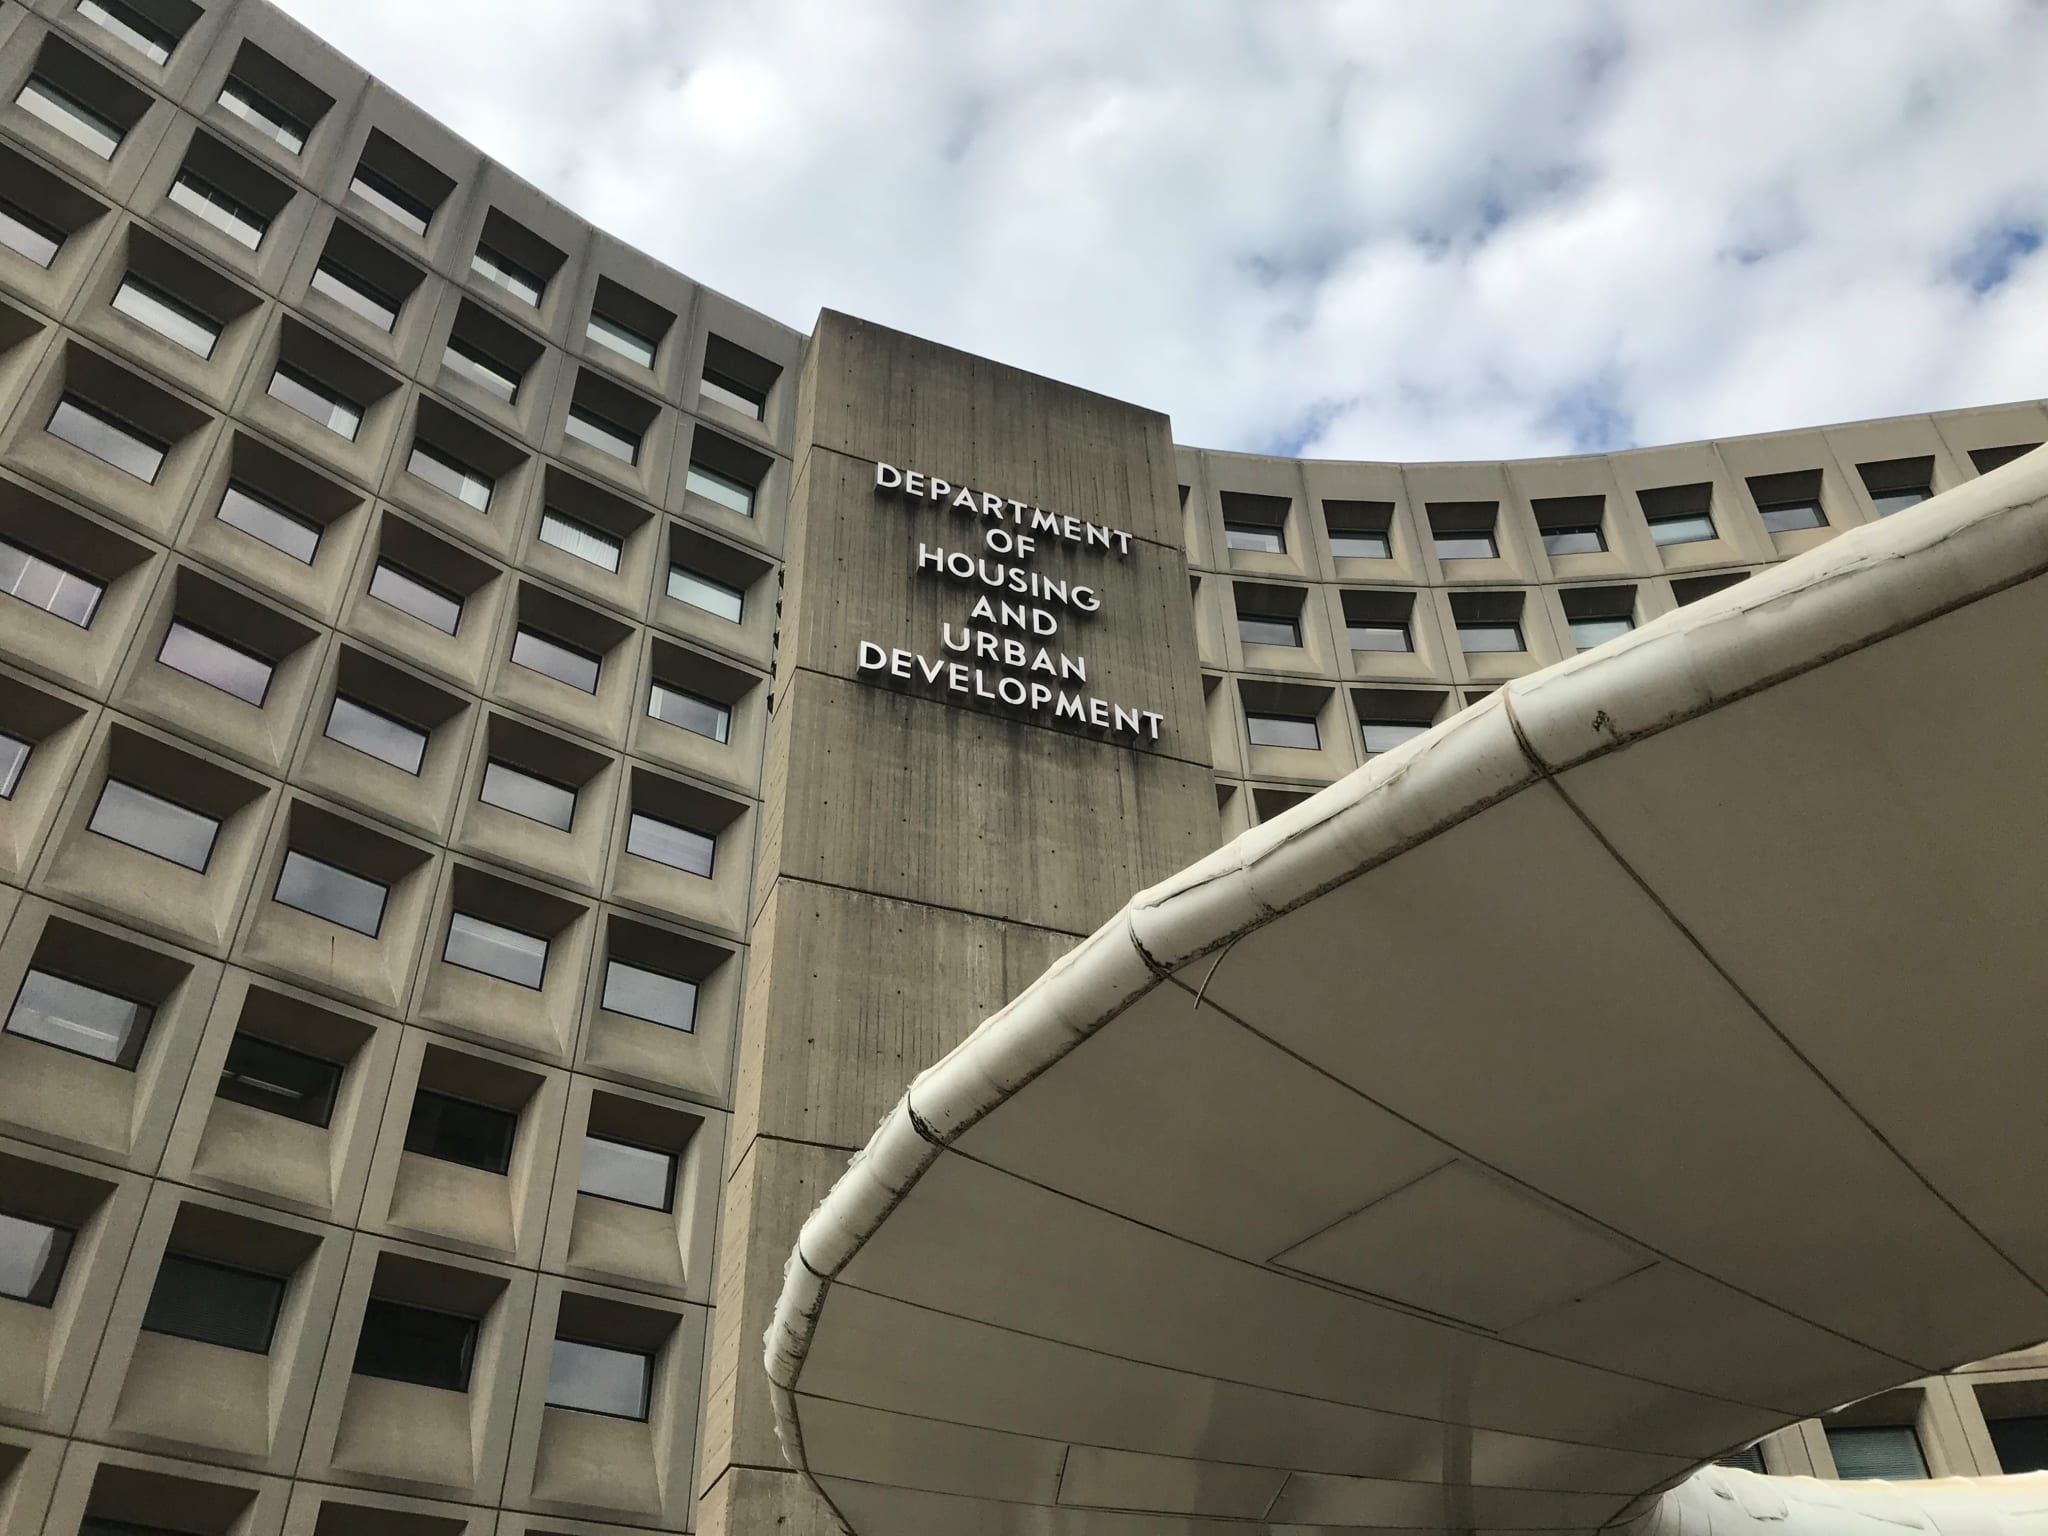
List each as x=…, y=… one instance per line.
x=1561, y=1101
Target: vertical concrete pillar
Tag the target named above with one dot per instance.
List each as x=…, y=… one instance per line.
x=926, y=850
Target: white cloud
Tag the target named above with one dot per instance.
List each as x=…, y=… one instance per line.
x=1359, y=228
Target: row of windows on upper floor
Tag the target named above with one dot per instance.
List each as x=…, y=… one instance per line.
x=243, y=668
x=1485, y=621
x=1576, y=525
x=356, y=271
x=723, y=472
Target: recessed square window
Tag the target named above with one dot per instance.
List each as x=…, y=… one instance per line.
x=492, y=949
x=608, y=437
x=1359, y=530
x=551, y=658
x=461, y=1131
x=701, y=591
x=79, y=1018
x=665, y=842
x=643, y=994
x=14, y=756
x=418, y=1345
x=176, y=322
x=315, y=401
x=154, y=825
x=736, y=394
x=1268, y=629
x=1579, y=539
x=2020, y=1440
x=216, y=663
x=618, y=1170
x=1889, y=1452
x=579, y=539
x=1898, y=501
x=32, y=1258
x=729, y=493
x=1464, y=530
x=399, y=184
x=1983, y=460
x=357, y=294
x=421, y=599
x=28, y=236
x=1485, y=635
x=1793, y=516
x=441, y=471
x=91, y=430
x=153, y=42
x=264, y=115
x=1688, y=528
x=1475, y=545
x=1589, y=632
x=46, y=585
x=483, y=370
x=1385, y=735
x=706, y=717
x=1360, y=546
x=46, y=101
x=376, y=734
x=230, y=215
x=523, y=285
x=1297, y=731
x=622, y=339
x=1255, y=537
x=214, y=1304
x=595, y=1378
x=328, y=891
x=261, y=518
x=529, y=795
x=278, y=1080
x=1378, y=636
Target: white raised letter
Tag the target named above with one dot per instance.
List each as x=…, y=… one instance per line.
x=887, y=477
x=870, y=657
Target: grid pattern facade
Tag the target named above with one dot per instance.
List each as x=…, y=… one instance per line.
x=391, y=571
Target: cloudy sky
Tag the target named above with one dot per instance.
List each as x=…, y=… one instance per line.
x=1396, y=229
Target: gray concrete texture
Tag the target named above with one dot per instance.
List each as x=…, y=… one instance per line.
x=887, y=866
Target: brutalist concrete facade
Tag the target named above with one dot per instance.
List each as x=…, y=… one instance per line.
x=313, y=421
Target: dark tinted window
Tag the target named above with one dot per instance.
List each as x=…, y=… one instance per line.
x=2021, y=1443
x=199, y=1299
x=1888, y=1451
x=279, y=1081
x=400, y=1342
x=458, y=1131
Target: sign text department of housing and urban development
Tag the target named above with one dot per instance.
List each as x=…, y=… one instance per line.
x=1012, y=648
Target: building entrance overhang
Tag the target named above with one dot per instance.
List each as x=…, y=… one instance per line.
x=1639, y=1062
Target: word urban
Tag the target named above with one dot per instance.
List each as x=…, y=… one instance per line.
x=1030, y=674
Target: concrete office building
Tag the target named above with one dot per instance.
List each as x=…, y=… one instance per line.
x=510, y=762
